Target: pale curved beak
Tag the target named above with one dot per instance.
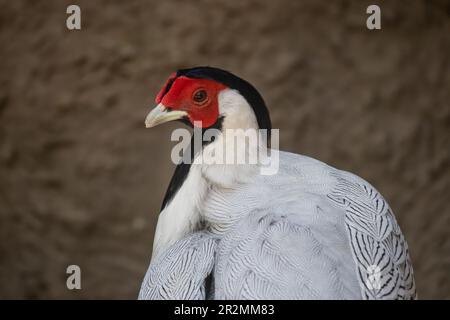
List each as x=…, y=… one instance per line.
x=161, y=114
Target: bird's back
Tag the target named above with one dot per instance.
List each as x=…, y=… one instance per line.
x=308, y=232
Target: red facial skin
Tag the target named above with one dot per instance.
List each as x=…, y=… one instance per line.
x=181, y=97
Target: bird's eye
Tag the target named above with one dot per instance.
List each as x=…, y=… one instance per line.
x=200, y=96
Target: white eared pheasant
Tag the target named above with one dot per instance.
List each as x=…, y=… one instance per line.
x=226, y=231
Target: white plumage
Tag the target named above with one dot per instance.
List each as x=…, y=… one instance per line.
x=308, y=232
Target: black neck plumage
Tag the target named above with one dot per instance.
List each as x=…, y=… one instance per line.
x=182, y=169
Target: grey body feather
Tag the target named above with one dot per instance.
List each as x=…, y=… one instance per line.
x=181, y=271
x=308, y=232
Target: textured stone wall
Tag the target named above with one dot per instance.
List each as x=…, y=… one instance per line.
x=81, y=180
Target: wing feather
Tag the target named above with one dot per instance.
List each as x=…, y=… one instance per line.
x=379, y=249
x=181, y=271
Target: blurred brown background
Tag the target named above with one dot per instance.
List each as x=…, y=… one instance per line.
x=81, y=180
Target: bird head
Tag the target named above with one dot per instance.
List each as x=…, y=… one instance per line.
x=204, y=96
